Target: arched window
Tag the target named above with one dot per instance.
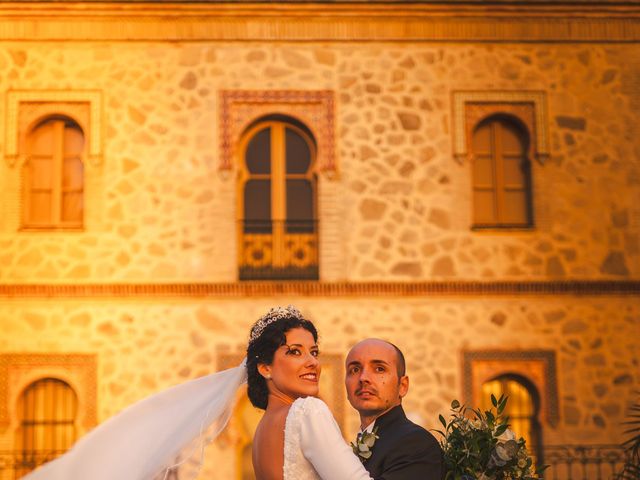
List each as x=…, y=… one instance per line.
x=501, y=174
x=47, y=411
x=54, y=174
x=277, y=196
x=522, y=408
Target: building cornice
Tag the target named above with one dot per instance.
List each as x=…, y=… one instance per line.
x=322, y=289
x=321, y=22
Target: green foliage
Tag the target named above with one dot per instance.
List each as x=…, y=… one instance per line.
x=631, y=469
x=479, y=445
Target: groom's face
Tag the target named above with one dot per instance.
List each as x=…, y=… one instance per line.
x=372, y=381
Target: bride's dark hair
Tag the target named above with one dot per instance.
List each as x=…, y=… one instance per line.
x=262, y=349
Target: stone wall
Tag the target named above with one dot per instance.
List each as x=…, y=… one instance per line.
x=158, y=208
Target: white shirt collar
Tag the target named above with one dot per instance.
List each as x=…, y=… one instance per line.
x=369, y=428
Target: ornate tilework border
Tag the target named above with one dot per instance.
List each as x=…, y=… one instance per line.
x=84, y=365
x=314, y=108
x=323, y=289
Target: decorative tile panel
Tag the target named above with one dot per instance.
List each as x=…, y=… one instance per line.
x=314, y=108
x=18, y=370
x=538, y=366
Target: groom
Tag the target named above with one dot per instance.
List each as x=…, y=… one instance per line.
x=376, y=382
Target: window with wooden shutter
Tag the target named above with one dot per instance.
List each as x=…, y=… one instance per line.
x=54, y=175
x=501, y=174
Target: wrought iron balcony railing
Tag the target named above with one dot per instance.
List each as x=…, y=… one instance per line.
x=567, y=462
x=583, y=462
x=278, y=250
x=14, y=465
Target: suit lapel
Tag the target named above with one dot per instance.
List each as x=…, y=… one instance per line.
x=385, y=426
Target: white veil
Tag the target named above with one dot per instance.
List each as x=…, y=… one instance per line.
x=159, y=433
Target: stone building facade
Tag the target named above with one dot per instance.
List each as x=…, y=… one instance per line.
x=146, y=292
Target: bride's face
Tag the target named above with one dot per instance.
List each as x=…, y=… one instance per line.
x=295, y=371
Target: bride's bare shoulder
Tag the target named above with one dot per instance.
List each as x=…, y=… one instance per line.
x=268, y=445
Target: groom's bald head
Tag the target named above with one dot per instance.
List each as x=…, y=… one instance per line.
x=401, y=365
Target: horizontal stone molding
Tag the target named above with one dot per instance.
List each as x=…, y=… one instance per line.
x=365, y=21
x=324, y=289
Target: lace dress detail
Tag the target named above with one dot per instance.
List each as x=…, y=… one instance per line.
x=313, y=445
x=296, y=466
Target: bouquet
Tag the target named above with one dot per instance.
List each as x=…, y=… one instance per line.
x=481, y=446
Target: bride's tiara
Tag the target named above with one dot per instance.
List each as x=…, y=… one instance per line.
x=276, y=313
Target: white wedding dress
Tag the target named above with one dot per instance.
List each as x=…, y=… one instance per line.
x=313, y=445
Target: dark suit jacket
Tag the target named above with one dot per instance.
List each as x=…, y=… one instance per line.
x=404, y=451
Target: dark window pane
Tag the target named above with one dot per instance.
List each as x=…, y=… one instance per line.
x=298, y=153
x=299, y=206
x=257, y=206
x=258, y=155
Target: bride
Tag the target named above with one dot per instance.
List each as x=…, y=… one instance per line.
x=296, y=439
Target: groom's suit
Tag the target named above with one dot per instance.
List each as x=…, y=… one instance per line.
x=404, y=450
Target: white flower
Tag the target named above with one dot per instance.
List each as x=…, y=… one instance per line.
x=364, y=443
x=502, y=453
x=506, y=436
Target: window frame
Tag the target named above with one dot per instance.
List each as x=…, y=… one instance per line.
x=496, y=154
x=278, y=124
x=534, y=435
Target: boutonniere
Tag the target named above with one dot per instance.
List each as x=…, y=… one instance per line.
x=364, y=444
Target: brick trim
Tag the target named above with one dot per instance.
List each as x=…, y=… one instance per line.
x=324, y=289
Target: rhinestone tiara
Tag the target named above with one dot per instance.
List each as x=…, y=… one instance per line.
x=276, y=313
